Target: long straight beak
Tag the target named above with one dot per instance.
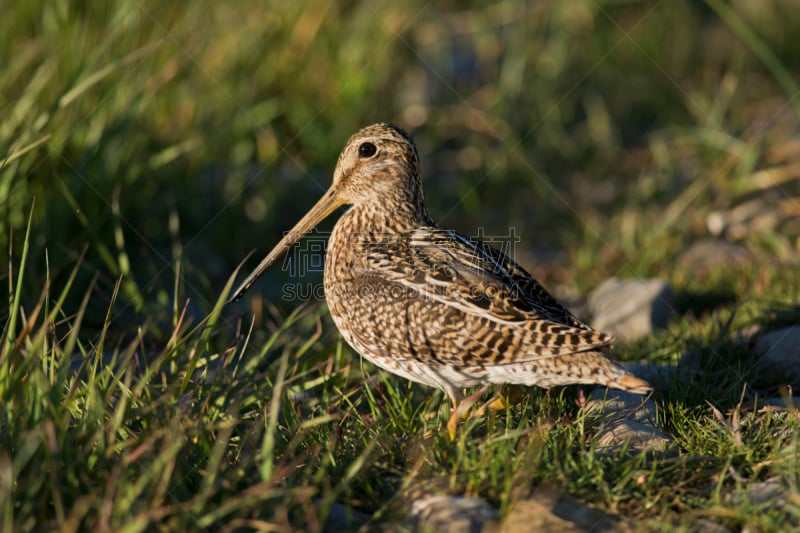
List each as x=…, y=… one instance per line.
x=324, y=207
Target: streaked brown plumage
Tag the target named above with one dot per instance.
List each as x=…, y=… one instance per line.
x=429, y=304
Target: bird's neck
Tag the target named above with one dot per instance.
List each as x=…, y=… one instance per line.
x=386, y=217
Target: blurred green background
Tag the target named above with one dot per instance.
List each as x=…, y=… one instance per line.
x=170, y=139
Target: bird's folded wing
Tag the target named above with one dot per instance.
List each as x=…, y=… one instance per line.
x=464, y=277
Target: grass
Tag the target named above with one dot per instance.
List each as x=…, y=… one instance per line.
x=145, y=149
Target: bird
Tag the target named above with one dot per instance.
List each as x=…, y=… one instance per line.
x=428, y=304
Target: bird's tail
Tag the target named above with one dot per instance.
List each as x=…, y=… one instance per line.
x=631, y=383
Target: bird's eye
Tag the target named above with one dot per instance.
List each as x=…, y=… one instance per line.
x=367, y=150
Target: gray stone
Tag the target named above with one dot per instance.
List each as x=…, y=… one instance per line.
x=631, y=308
x=757, y=216
x=767, y=493
x=707, y=526
x=707, y=254
x=453, y=514
x=343, y=518
x=789, y=402
x=531, y=515
x=549, y=511
x=626, y=421
x=777, y=358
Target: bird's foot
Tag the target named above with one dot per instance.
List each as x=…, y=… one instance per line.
x=452, y=425
x=460, y=411
x=497, y=404
x=580, y=401
x=512, y=396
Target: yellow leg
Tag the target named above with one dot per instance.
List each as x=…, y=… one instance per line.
x=460, y=409
x=452, y=424
x=498, y=404
x=511, y=396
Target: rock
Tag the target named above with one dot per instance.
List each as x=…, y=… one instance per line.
x=707, y=254
x=777, y=358
x=626, y=421
x=790, y=402
x=453, y=514
x=707, y=526
x=530, y=515
x=343, y=518
x=757, y=216
x=549, y=511
x=768, y=493
x=631, y=308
